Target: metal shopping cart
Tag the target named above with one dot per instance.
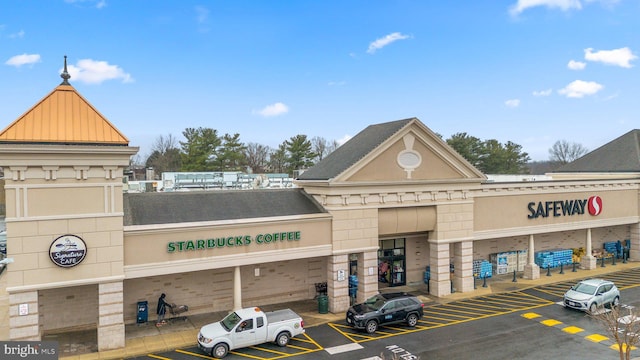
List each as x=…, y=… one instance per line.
x=176, y=312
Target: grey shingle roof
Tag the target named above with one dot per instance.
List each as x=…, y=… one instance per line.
x=353, y=150
x=192, y=206
x=619, y=155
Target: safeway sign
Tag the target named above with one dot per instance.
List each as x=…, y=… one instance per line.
x=556, y=208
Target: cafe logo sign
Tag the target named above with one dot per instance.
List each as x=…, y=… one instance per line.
x=67, y=251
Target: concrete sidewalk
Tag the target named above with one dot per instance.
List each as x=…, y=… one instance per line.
x=179, y=333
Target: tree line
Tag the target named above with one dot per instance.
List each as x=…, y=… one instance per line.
x=204, y=149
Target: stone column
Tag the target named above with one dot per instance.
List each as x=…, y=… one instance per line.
x=463, y=266
x=237, y=289
x=440, y=282
x=531, y=269
x=367, y=275
x=25, y=327
x=110, y=316
x=337, y=291
x=634, y=251
x=588, y=261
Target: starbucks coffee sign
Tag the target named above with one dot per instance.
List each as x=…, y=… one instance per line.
x=67, y=251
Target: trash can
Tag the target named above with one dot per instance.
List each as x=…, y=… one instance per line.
x=323, y=304
x=143, y=312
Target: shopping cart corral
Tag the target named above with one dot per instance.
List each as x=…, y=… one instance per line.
x=177, y=312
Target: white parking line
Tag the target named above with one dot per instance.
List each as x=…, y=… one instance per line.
x=343, y=348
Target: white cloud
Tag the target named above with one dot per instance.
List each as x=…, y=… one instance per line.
x=337, y=83
x=563, y=5
x=18, y=35
x=273, y=110
x=202, y=19
x=202, y=14
x=619, y=57
x=99, y=4
x=23, y=59
x=579, y=89
x=543, y=92
x=384, y=41
x=576, y=65
x=512, y=103
x=91, y=71
x=344, y=139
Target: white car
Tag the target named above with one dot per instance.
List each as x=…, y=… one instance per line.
x=588, y=295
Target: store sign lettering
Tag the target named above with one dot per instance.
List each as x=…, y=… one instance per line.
x=592, y=205
x=232, y=241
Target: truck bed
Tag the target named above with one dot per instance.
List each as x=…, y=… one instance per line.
x=280, y=315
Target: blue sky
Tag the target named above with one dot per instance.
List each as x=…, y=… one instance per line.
x=528, y=71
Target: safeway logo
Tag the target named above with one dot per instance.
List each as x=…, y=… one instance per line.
x=595, y=205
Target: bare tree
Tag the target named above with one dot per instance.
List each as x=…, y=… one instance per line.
x=165, y=155
x=322, y=147
x=564, y=152
x=257, y=157
x=622, y=325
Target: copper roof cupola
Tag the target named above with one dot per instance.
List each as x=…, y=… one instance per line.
x=63, y=117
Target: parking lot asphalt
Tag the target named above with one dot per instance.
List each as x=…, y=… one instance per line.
x=142, y=339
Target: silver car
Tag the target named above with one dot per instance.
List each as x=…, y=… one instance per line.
x=588, y=295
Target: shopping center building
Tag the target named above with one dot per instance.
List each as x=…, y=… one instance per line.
x=85, y=253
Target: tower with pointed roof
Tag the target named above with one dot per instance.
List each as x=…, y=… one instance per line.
x=63, y=163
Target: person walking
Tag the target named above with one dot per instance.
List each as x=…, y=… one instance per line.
x=162, y=310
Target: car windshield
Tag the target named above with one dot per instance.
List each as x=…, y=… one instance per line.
x=375, y=302
x=585, y=288
x=230, y=321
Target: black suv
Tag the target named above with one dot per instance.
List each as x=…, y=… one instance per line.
x=385, y=309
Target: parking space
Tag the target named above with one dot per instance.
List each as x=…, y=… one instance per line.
x=451, y=313
x=623, y=279
x=299, y=345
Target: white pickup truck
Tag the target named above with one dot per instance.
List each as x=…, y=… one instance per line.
x=248, y=327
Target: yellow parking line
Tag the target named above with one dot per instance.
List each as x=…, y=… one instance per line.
x=244, y=355
x=298, y=347
x=267, y=350
x=530, y=315
x=572, y=329
x=192, y=354
x=624, y=347
x=596, y=338
x=469, y=307
x=445, y=319
x=483, y=304
x=310, y=340
x=551, y=322
x=157, y=357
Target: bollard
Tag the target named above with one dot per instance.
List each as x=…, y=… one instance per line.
x=574, y=268
x=514, y=277
x=452, y=289
x=624, y=256
x=474, y=281
x=602, y=261
x=484, y=282
x=613, y=262
x=548, y=270
x=561, y=270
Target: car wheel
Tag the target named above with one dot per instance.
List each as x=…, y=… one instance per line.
x=615, y=302
x=371, y=326
x=412, y=320
x=219, y=351
x=282, y=339
x=593, y=308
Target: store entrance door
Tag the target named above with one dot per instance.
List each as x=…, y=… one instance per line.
x=391, y=263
